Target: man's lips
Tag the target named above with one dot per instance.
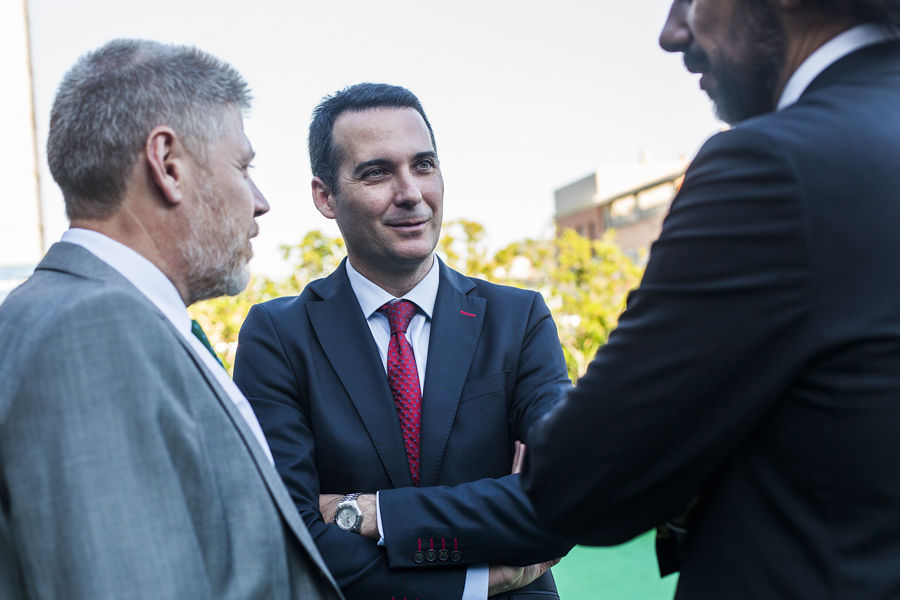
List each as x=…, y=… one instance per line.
x=407, y=224
x=695, y=61
x=696, y=64
x=694, y=67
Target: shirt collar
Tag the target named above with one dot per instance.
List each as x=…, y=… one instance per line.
x=829, y=53
x=142, y=273
x=371, y=297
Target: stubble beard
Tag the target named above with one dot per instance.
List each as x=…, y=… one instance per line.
x=215, y=252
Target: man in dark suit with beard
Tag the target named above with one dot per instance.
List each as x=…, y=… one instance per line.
x=757, y=366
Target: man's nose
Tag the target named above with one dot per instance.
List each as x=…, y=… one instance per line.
x=407, y=190
x=676, y=35
x=260, y=204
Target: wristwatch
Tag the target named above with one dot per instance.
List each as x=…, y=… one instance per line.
x=348, y=516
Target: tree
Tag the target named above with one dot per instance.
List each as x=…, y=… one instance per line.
x=585, y=283
x=463, y=247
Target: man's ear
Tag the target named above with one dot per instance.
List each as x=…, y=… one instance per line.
x=323, y=198
x=165, y=159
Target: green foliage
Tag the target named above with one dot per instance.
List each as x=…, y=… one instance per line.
x=463, y=247
x=314, y=257
x=585, y=283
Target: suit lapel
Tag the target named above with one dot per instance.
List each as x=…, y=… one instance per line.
x=344, y=335
x=266, y=469
x=455, y=329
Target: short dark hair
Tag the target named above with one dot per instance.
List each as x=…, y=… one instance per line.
x=324, y=156
x=885, y=12
x=112, y=98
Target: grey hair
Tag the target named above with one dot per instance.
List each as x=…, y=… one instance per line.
x=112, y=98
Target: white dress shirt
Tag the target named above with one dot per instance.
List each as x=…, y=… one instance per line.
x=371, y=298
x=153, y=284
x=829, y=53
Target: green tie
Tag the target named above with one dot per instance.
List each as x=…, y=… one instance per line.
x=198, y=332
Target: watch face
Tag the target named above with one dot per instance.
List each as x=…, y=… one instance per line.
x=345, y=518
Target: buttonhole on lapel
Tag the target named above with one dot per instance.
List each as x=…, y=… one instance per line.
x=468, y=314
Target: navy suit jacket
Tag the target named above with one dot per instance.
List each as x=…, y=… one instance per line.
x=758, y=363
x=311, y=369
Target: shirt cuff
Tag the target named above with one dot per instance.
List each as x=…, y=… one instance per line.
x=477, y=579
x=378, y=520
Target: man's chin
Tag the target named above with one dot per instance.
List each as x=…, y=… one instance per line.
x=237, y=283
x=230, y=283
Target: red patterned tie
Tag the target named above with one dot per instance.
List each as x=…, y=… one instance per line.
x=403, y=376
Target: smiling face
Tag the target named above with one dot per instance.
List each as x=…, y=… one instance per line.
x=389, y=201
x=739, y=47
x=223, y=219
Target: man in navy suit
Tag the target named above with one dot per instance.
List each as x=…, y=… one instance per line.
x=412, y=497
x=757, y=366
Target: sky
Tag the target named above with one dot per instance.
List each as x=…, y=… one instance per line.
x=524, y=96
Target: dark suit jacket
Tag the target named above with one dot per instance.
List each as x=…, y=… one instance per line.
x=125, y=469
x=758, y=363
x=311, y=370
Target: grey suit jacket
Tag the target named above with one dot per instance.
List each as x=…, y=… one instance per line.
x=125, y=470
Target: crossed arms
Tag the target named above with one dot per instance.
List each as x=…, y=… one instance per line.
x=321, y=447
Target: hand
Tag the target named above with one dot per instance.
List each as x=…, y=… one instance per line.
x=518, y=457
x=503, y=578
x=328, y=507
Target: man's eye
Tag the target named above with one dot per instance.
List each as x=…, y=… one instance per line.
x=375, y=173
x=425, y=163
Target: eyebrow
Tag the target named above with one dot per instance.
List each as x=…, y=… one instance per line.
x=375, y=162
x=426, y=154
x=383, y=162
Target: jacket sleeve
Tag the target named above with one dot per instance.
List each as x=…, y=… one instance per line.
x=489, y=520
x=267, y=377
x=708, y=342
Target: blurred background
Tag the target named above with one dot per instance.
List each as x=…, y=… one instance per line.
x=525, y=97
x=549, y=117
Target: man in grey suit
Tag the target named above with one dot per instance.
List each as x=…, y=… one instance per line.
x=130, y=465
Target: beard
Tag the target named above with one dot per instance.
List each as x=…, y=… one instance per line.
x=216, y=250
x=745, y=87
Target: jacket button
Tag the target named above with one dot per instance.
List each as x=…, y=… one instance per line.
x=431, y=556
x=455, y=556
x=443, y=555
x=418, y=557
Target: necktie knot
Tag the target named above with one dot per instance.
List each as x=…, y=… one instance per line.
x=399, y=314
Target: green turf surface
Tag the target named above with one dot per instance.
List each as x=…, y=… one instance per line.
x=626, y=572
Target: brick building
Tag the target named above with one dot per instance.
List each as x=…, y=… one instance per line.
x=632, y=199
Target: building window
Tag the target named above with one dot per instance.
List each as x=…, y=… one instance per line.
x=622, y=210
